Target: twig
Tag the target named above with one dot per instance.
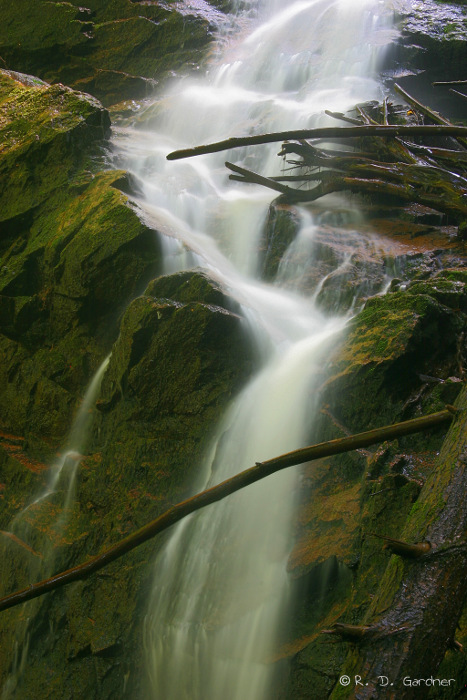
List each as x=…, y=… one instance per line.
x=450, y=82
x=460, y=94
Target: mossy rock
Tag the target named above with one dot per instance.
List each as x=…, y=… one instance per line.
x=115, y=50
x=176, y=364
x=46, y=133
x=73, y=254
x=390, y=343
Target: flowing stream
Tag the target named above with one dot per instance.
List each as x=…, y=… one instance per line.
x=221, y=593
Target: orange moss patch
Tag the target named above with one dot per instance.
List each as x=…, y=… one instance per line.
x=12, y=444
x=330, y=522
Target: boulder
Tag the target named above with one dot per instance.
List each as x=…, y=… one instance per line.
x=116, y=51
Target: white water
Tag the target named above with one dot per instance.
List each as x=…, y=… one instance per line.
x=220, y=594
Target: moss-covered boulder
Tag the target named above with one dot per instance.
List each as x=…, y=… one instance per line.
x=180, y=356
x=45, y=132
x=115, y=50
x=399, y=343
x=72, y=253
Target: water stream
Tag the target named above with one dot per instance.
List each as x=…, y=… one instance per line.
x=221, y=592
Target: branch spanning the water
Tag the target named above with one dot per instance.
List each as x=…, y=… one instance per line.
x=326, y=132
x=216, y=493
x=384, y=163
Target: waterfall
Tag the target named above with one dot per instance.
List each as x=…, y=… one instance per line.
x=220, y=595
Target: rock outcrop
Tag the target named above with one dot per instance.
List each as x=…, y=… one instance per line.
x=115, y=50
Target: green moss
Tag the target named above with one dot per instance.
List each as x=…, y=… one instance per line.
x=107, y=48
x=56, y=131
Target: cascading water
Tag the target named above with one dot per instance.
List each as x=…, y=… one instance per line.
x=220, y=585
x=51, y=508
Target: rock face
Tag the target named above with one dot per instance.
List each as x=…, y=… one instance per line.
x=174, y=366
x=432, y=48
x=76, y=263
x=72, y=251
x=115, y=50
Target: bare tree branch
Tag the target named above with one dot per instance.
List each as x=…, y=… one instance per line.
x=217, y=493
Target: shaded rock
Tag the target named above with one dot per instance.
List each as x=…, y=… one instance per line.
x=432, y=48
x=115, y=50
x=175, y=363
x=180, y=356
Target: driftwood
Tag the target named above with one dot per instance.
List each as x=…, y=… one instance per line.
x=217, y=493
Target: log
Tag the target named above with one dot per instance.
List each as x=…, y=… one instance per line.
x=434, y=116
x=216, y=493
x=450, y=82
x=326, y=132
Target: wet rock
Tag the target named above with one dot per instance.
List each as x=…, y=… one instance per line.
x=114, y=50
x=281, y=229
x=47, y=131
x=347, y=498
x=432, y=48
x=180, y=356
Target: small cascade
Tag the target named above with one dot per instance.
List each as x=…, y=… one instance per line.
x=37, y=530
x=62, y=473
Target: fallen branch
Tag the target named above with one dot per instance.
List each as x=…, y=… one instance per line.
x=325, y=132
x=217, y=493
x=459, y=94
x=410, y=183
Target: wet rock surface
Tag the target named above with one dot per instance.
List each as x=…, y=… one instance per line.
x=116, y=51
x=432, y=48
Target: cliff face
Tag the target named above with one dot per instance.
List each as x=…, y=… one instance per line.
x=80, y=280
